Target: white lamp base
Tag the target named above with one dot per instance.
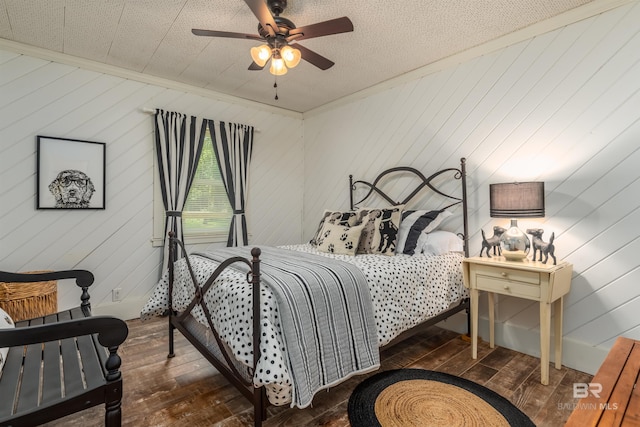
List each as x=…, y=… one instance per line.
x=514, y=243
x=514, y=255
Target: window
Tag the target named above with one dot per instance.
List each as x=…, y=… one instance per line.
x=207, y=213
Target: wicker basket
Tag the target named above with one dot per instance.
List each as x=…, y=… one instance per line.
x=28, y=300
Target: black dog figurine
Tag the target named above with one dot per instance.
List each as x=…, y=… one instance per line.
x=545, y=248
x=492, y=242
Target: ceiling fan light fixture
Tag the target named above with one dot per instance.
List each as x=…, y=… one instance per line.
x=277, y=32
x=261, y=54
x=277, y=67
x=291, y=56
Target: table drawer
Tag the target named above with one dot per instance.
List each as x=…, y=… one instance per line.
x=508, y=287
x=531, y=277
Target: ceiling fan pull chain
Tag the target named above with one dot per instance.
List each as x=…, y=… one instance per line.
x=275, y=85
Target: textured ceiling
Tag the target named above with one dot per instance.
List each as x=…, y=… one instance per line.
x=154, y=37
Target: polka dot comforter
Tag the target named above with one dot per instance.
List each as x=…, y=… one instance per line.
x=405, y=291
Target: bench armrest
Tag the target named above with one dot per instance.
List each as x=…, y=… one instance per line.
x=84, y=278
x=111, y=331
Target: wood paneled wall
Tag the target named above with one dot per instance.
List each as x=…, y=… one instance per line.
x=564, y=108
x=40, y=97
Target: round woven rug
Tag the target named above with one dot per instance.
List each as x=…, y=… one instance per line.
x=417, y=397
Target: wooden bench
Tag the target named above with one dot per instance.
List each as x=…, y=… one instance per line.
x=62, y=363
x=613, y=395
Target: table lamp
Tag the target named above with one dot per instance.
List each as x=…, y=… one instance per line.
x=516, y=200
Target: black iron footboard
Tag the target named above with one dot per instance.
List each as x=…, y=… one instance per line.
x=218, y=354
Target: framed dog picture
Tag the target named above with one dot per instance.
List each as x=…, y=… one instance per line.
x=71, y=174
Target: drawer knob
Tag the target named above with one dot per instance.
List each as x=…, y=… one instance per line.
x=506, y=287
x=503, y=274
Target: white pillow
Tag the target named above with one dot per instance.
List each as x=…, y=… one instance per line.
x=413, y=225
x=339, y=239
x=5, y=323
x=440, y=242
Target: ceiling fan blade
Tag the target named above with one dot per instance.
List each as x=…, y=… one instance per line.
x=262, y=12
x=227, y=34
x=255, y=67
x=314, y=58
x=326, y=28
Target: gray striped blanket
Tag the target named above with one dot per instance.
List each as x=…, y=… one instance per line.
x=326, y=317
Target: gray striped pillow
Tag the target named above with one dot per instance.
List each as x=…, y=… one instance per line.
x=413, y=224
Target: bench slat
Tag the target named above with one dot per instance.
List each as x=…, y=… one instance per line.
x=617, y=375
x=10, y=379
x=70, y=365
x=632, y=418
x=623, y=389
x=30, y=383
x=51, y=381
x=93, y=372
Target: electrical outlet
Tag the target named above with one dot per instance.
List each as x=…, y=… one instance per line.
x=116, y=294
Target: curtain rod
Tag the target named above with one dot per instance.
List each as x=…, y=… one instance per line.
x=148, y=110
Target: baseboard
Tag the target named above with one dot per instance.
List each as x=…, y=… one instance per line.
x=577, y=355
x=125, y=310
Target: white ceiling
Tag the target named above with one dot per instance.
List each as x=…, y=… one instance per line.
x=154, y=37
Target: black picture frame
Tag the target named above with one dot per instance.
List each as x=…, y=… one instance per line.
x=70, y=173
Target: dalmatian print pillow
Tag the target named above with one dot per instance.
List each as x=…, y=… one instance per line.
x=370, y=220
x=380, y=234
x=339, y=239
x=5, y=322
x=334, y=217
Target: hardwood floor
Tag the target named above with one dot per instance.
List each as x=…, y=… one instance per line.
x=187, y=391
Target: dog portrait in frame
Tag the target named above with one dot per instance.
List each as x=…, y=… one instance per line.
x=70, y=173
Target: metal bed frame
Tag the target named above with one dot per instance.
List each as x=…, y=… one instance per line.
x=217, y=354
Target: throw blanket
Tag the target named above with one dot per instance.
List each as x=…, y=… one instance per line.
x=326, y=315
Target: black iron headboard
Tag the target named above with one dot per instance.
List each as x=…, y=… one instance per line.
x=458, y=173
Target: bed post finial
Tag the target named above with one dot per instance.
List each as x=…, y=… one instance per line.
x=465, y=216
x=350, y=192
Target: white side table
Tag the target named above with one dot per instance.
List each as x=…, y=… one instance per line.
x=546, y=283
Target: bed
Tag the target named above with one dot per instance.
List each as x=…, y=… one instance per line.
x=369, y=277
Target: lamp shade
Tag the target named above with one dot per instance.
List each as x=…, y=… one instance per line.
x=291, y=56
x=277, y=67
x=261, y=54
x=516, y=200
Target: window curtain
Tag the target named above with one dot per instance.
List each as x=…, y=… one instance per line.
x=179, y=141
x=233, y=144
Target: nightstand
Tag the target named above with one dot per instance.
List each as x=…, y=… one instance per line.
x=545, y=283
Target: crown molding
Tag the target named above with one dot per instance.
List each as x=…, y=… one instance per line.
x=569, y=17
x=87, y=64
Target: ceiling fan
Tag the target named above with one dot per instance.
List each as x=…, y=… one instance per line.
x=281, y=37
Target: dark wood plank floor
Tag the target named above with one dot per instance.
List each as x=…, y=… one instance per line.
x=187, y=391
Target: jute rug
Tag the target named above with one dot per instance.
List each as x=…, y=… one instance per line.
x=417, y=397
